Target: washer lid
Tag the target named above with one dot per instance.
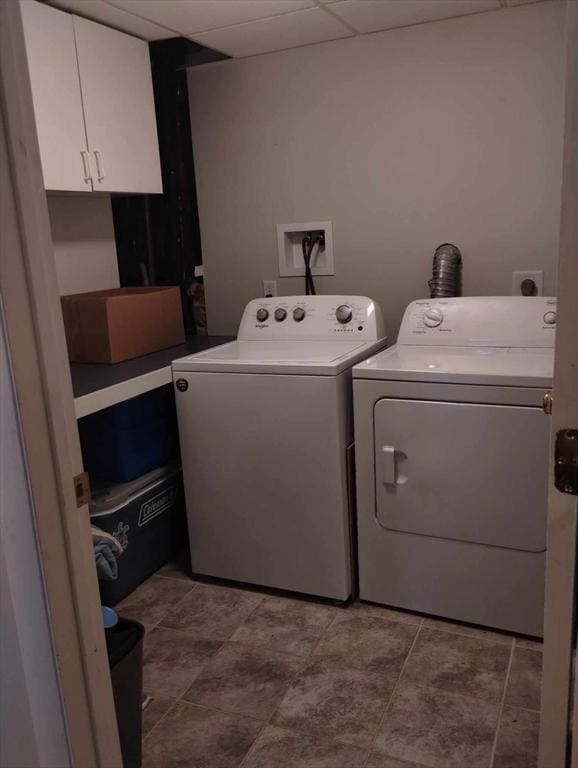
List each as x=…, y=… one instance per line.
x=497, y=366
x=311, y=357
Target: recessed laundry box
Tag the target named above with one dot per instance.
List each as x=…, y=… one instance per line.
x=147, y=517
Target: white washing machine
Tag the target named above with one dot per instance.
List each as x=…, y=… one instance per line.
x=266, y=430
x=452, y=452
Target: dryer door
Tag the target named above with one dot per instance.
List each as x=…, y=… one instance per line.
x=462, y=471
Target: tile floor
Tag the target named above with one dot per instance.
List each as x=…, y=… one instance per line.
x=245, y=679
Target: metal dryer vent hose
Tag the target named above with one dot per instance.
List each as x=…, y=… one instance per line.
x=447, y=272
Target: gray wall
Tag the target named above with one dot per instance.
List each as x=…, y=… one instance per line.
x=83, y=241
x=403, y=139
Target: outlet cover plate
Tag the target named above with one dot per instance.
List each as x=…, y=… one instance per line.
x=269, y=288
x=289, y=237
x=536, y=275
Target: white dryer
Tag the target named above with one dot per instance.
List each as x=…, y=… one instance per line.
x=266, y=429
x=452, y=452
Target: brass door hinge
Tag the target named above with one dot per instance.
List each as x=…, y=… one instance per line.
x=566, y=461
x=81, y=489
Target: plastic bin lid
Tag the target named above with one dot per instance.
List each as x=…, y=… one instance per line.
x=105, y=496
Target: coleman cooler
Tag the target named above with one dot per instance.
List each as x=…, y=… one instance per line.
x=147, y=517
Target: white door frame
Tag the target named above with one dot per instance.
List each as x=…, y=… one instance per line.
x=559, y=629
x=41, y=375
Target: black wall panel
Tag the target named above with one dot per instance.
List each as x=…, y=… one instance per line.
x=157, y=236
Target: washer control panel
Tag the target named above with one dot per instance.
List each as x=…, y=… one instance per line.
x=480, y=321
x=312, y=317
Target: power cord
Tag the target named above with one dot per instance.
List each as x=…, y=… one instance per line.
x=310, y=240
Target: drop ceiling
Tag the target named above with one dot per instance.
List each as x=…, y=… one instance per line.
x=241, y=28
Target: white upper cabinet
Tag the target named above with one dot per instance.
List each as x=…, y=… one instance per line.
x=51, y=52
x=117, y=95
x=93, y=102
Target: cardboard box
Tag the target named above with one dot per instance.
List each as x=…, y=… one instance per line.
x=115, y=325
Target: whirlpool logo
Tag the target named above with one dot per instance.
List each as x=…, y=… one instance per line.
x=156, y=506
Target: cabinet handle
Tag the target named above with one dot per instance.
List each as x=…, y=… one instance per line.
x=85, y=165
x=99, y=165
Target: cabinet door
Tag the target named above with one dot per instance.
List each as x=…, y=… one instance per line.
x=51, y=53
x=117, y=94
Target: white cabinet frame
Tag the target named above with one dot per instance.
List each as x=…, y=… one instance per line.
x=94, y=104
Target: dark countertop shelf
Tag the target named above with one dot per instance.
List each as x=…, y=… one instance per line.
x=98, y=385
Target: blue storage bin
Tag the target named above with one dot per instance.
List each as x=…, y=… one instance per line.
x=130, y=439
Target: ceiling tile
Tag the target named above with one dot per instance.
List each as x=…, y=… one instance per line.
x=115, y=17
x=374, y=15
x=274, y=34
x=190, y=16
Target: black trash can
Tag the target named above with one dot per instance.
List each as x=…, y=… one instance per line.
x=124, y=644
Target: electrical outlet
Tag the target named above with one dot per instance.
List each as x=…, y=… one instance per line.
x=269, y=288
x=518, y=278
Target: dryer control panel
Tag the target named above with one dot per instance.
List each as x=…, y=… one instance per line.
x=480, y=321
x=312, y=318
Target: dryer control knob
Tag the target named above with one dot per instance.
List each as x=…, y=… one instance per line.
x=344, y=313
x=280, y=314
x=262, y=314
x=433, y=317
x=298, y=314
x=550, y=318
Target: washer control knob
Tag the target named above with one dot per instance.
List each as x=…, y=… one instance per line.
x=262, y=314
x=433, y=317
x=550, y=318
x=298, y=314
x=343, y=314
x=280, y=314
